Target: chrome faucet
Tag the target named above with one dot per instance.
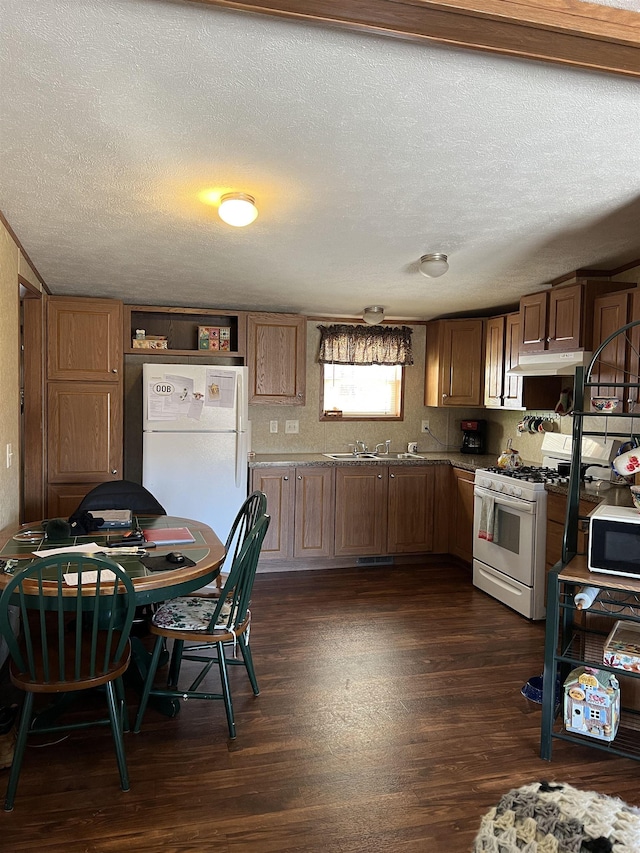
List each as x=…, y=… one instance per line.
x=386, y=445
x=361, y=447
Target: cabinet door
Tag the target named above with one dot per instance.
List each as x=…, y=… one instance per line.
x=512, y=391
x=565, y=318
x=361, y=510
x=276, y=357
x=84, y=339
x=84, y=432
x=63, y=499
x=533, y=321
x=461, y=526
x=314, y=512
x=634, y=354
x=410, y=509
x=494, y=363
x=461, y=365
x=278, y=486
x=610, y=312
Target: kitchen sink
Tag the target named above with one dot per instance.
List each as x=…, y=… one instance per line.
x=356, y=456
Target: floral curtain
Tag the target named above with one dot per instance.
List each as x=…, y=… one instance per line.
x=343, y=344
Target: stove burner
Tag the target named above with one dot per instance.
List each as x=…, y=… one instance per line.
x=531, y=474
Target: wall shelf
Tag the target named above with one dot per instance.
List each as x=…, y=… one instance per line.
x=180, y=327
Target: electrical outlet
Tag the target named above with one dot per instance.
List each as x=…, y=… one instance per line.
x=425, y=426
x=292, y=426
x=273, y=426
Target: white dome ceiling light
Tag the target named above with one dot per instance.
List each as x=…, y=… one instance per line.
x=373, y=315
x=433, y=265
x=237, y=209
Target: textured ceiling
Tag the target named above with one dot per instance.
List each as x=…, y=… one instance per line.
x=363, y=153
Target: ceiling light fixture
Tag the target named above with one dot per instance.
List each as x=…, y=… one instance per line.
x=373, y=315
x=237, y=209
x=433, y=265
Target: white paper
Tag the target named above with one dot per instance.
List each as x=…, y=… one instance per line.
x=220, y=389
x=86, y=548
x=106, y=575
x=173, y=397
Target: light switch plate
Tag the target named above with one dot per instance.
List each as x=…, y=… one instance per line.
x=273, y=426
x=292, y=426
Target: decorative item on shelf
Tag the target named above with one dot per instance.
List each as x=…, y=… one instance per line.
x=592, y=703
x=635, y=496
x=622, y=647
x=214, y=338
x=605, y=404
x=626, y=462
x=150, y=342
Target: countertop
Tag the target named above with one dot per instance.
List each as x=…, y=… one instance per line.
x=459, y=460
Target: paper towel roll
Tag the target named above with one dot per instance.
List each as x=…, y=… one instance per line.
x=585, y=598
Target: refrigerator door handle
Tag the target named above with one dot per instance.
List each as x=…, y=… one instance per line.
x=241, y=457
x=239, y=420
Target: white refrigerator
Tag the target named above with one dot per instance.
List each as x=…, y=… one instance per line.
x=195, y=440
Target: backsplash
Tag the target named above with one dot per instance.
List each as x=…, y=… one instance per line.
x=315, y=436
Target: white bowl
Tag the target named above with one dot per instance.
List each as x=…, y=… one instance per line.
x=605, y=404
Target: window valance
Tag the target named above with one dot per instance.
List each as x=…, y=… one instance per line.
x=344, y=344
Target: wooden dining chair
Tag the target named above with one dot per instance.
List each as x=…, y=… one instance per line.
x=75, y=613
x=250, y=511
x=213, y=625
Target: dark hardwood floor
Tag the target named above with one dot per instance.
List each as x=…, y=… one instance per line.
x=390, y=719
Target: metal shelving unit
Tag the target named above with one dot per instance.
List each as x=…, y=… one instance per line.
x=569, y=640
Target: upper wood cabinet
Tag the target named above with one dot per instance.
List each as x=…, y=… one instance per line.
x=84, y=339
x=454, y=363
x=561, y=319
x=276, y=357
x=502, y=391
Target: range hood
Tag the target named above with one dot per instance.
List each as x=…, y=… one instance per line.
x=550, y=363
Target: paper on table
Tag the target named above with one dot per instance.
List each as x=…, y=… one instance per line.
x=86, y=548
x=106, y=575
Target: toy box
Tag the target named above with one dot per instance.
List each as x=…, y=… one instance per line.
x=214, y=338
x=592, y=703
x=150, y=342
x=622, y=647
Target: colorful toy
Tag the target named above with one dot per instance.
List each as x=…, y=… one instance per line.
x=592, y=703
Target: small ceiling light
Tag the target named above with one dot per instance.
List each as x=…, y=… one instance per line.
x=373, y=315
x=237, y=209
x=433, y=265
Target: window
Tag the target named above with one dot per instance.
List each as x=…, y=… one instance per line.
x=362, y=391
x=362, y=371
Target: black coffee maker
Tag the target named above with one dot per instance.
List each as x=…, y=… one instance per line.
x=474, y=434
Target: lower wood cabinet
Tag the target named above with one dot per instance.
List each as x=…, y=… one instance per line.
x=461, y=518
x=354, y=510
x=300, y=502
x=556, y=509
x=361, y=510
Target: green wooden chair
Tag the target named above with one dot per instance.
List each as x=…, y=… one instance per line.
x=213, y=624
x=72, y=638
x=250, y=511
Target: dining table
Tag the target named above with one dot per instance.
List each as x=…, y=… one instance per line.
x=158, y=580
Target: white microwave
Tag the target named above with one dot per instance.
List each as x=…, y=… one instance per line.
x=614, y=541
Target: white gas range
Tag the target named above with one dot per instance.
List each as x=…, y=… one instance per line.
x=510, y=523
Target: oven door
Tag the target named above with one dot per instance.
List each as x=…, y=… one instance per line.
x=513, y=549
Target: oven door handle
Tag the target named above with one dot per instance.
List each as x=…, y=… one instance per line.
x=528, y=507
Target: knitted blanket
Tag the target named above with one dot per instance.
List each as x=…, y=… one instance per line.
x=550, y=818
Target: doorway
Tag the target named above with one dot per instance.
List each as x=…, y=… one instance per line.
x=32, y=422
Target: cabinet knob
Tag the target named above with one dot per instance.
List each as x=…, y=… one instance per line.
x=299, y=394
x=392, y=476
x=379, y=476
x=114, y=471
x=285, y=478
x=444, y=396
x=299, y=476
x=114, y=370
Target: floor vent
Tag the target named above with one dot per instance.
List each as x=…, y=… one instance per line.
x=375, y=561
